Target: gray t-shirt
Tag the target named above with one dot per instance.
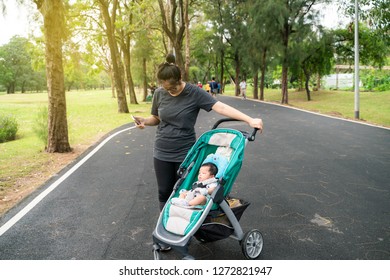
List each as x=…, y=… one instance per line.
x=175, y=133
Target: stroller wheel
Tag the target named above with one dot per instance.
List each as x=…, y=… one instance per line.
x=156, y=252
x=252, y=244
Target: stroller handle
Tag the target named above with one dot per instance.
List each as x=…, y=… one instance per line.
x=250, y=137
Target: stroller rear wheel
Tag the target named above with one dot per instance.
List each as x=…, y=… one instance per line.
x=252, y=244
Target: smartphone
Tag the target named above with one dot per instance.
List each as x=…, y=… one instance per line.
x=135, y=120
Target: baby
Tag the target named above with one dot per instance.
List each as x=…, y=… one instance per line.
x=205, y=185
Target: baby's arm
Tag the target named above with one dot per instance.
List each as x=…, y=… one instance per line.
x=210, y=190
x=198, y=200
x=183, y=194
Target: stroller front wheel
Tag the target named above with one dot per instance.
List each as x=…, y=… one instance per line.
x=252, y=244
x=156, y=252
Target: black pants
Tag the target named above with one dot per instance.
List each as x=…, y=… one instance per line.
x=166, y=174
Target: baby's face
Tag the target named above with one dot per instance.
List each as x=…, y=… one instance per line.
x=204, y=173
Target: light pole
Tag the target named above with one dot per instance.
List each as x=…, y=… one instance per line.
x=357, y=80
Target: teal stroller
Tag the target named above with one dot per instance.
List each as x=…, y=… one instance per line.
x=219, y=217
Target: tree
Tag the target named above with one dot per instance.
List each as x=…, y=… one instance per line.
x=53, y=13
x=261, y=41
x=15, y=64
x=117, y=66
x=173, y=25
x=229, y=19
x=292, y=17
x=317, y=58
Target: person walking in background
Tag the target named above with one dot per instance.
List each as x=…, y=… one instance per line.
x=243, y=89
x=175, y=108
x=207, y=87
x=213, y=87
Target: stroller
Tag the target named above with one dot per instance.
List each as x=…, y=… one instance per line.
x=219, y=217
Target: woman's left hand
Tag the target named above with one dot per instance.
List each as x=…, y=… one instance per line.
x=257, y=123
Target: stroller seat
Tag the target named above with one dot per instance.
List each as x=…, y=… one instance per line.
x=181, y=219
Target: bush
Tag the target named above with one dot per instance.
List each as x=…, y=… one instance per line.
x=8, y=128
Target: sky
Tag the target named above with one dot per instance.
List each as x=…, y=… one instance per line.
x=16, y=21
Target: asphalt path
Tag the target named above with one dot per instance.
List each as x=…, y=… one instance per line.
x=319, y=189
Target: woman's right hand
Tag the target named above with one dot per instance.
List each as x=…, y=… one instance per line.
x=139, y=122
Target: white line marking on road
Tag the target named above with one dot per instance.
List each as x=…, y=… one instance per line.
x=42, y=195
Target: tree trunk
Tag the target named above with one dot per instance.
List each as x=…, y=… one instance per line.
x=145, y=78
x=53, y=19
x=256, y=85
x=174, y=33
x=187, y=32
x=109, y=22
x=263, y=69
x=285, y=38
x=127, y=60
x=307, y=80
x=237, y=77
x=318, y=81
x=284, y=84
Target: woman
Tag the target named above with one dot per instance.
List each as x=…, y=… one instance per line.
x=175, y=108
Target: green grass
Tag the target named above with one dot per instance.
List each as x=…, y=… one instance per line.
x=374, y=106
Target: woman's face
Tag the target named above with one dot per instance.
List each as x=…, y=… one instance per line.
x=174, y=88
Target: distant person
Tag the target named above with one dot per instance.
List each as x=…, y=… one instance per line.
x=243, y=89
x=207, y=87
x=200, y=85
x=213, y=87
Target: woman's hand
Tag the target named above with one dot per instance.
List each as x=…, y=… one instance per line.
x=257, y=123
x=141, y=122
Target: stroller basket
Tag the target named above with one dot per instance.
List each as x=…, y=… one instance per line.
x=217, y=226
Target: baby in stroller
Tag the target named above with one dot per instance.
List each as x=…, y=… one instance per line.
x=205, y=185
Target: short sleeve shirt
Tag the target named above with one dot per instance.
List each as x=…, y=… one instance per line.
x=175, y=133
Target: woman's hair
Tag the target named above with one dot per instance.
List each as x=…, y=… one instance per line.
x=169, y=71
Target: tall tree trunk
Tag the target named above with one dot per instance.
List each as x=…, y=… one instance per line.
x=109, y=23
x=187, y=35
x=129, y=76
x=145, y=78
x=318, y=81
x=54, y=30
x=256, y=85
x=263, y=68
x=307, y=80
x=173, y=32
x=221, y=80
x=285, y=38
x=237, y=77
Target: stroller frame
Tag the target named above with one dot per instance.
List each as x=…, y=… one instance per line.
x=251, y=242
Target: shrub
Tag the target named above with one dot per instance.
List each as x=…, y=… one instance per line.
x=8, y=128
x=40, y=126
